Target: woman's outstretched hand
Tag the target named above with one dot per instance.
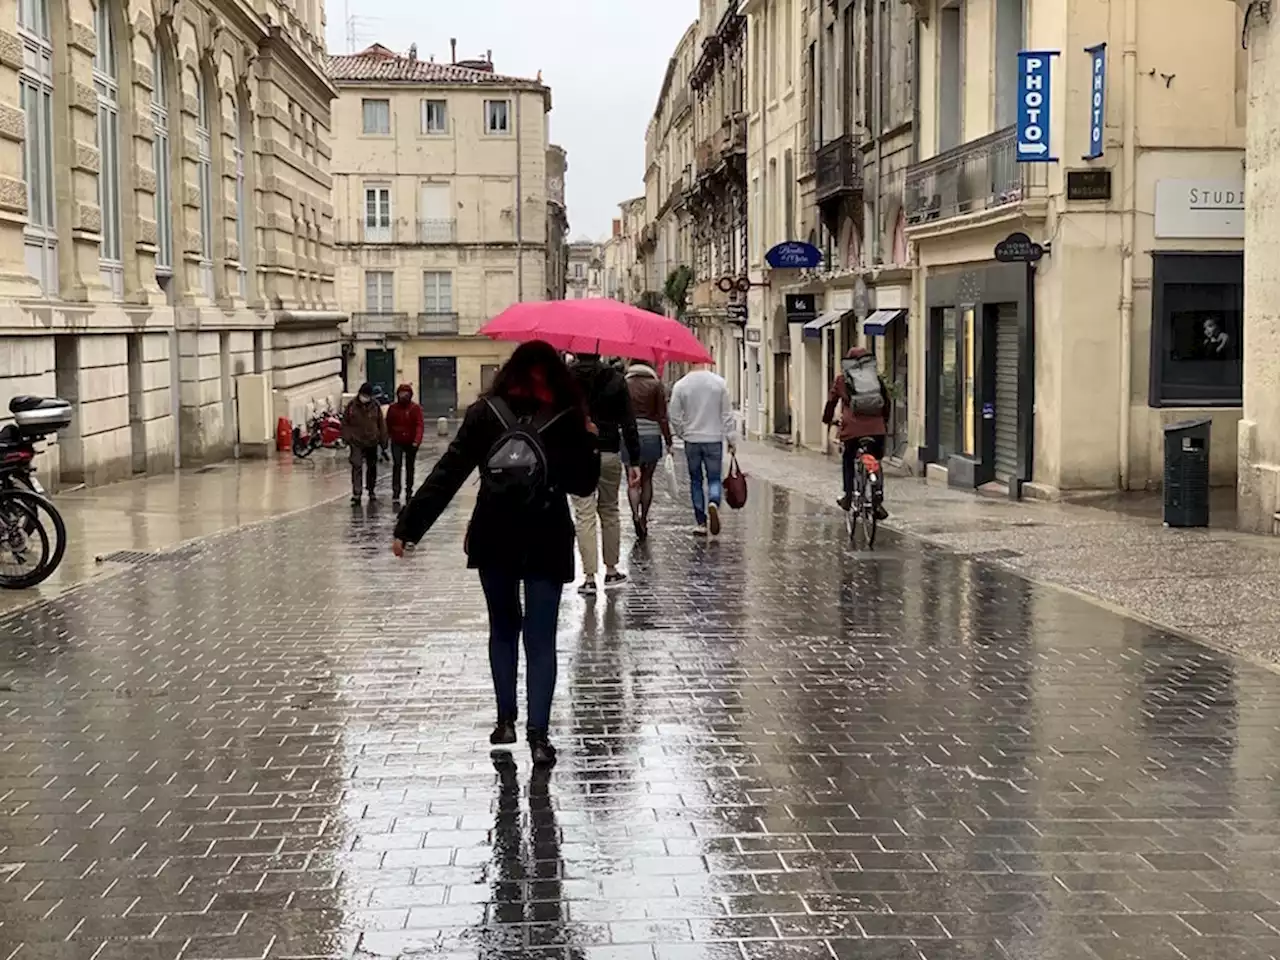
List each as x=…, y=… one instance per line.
x=397, y=547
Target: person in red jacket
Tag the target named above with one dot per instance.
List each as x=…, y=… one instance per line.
x=404, y=428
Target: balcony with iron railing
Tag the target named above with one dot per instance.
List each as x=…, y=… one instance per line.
x=983, y=174
x=375, y=324
x=437, y=323
x=437, y=230
x=838, y=168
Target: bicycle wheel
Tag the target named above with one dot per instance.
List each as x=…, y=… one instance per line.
x=51, y=520
x=868, y=505
x=24, y=543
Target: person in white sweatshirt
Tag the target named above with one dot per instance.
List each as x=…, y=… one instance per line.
x=701, y=414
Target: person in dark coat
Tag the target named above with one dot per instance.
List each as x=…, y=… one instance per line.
x=364, y=429
x=514, y=547
x=609, y=405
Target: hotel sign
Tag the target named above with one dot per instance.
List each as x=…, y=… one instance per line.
x=1200, y=209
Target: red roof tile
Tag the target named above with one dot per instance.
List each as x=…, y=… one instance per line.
x=378, y=64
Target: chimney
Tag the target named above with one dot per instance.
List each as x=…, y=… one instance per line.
x=453, y=49
x=488, y=55
x=413, y=53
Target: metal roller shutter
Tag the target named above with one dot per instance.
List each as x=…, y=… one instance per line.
x=1006, y=459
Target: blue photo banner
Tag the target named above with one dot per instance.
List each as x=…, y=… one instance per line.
x=1034, y=113
x=1097, y=99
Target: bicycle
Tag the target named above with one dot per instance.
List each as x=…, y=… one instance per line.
x=867, y=494
x=26, y=549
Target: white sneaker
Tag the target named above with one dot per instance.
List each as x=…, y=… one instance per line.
x=700, y=530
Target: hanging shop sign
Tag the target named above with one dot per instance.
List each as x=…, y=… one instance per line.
x=801, y=307
x=1018, y=248
x=1034, y=107
x=793, y=255
x=1097, y=99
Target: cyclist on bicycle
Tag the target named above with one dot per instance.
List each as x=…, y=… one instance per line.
x=865, y=406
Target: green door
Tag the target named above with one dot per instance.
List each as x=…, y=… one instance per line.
x=380, y=370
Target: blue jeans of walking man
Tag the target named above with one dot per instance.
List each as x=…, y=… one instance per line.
x=705, y=460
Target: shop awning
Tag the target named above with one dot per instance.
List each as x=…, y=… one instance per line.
x=815, y=327
x=879, y=322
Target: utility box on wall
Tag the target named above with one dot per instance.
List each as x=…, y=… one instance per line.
x=255, y=410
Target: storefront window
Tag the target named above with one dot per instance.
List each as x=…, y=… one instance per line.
x=947, y=384
x=1197, y=330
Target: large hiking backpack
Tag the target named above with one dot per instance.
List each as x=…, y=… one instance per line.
x=516, y=471
x=862, y=385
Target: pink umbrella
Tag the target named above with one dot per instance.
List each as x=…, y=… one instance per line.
x=600, y=326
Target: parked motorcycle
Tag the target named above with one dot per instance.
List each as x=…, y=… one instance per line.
x=33, y=535
x=323, y=430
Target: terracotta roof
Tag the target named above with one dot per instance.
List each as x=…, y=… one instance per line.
x=378, y=64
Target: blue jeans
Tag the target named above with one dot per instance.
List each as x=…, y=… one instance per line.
x=705, y=458
x=537, y=621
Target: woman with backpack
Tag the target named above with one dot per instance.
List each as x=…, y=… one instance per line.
x=532, y=442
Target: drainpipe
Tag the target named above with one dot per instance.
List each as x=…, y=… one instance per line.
x=1127, y=232
x=519, y=204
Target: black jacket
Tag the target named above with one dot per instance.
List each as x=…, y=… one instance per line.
x=609, y=403
x=536, y=544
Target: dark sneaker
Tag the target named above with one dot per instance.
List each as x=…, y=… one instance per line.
x=588, y=588
x=355, y=501
x=881, y=512
x=544, y=754
x=372, y=496
x=713, y=519
x=845, y=502
x=615, y=579
x=503, y=733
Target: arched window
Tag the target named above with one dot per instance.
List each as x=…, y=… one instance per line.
x=106, y=80
x=242, y=213
x=160, y=161
x=35, y=92
x=204, y=179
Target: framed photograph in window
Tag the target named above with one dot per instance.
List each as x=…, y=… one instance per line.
x=1197, y=330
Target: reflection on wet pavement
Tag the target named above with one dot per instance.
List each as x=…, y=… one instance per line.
x=274, y=746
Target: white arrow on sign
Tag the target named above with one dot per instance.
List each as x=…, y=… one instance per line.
x=1032, y=148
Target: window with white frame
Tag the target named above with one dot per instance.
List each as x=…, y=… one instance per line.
x=106, y=81
x=437, y=291
x=435, y=116
x=376, y=117
x=378, y=291
x=35, y=92
x=377, y=213
x=242, y=212
x=160, y=163
x=204, y=179
x=497, y=119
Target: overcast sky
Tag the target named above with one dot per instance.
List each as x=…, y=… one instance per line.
x=603, y=59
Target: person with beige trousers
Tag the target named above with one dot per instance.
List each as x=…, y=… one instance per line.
x=609, y=405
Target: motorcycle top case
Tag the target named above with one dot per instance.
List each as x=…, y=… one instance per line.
x=39, y=416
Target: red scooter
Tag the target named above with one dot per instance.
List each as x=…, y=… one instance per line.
x=323, y=430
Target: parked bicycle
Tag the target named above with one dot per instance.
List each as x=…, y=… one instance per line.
x=868, y=496
x=33, y=535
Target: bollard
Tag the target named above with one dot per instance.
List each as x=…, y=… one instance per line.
x=442, y=427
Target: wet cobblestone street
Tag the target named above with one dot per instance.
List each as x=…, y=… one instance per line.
x=273, y=744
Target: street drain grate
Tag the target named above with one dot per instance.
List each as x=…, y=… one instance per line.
x=138, y=557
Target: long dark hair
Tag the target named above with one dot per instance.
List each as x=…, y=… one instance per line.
x=519, y=376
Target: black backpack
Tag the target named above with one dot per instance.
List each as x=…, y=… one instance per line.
x=516, y=470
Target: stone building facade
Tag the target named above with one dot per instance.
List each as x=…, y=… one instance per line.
x=443, y=207
x=586, y=274
x=557, y=223
x=716, y=201
x=165, y=222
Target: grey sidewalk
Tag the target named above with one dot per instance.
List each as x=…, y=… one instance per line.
x=1217, y=586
